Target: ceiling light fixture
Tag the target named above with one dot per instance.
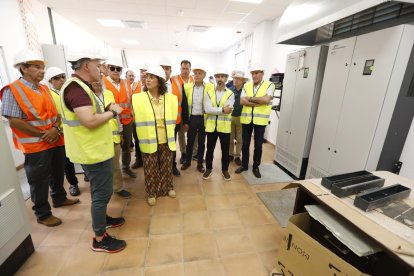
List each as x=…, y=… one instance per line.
x=249, y=1
x=130, y=41
x=111, y=23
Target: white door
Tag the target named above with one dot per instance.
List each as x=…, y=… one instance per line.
x=289, y=83
x=330, y=102
x=371, y=68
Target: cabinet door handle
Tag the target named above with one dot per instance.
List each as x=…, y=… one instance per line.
x=290, y=132
x=334, y=151
x=346, y=63
x=354, y=63
x=329, y=148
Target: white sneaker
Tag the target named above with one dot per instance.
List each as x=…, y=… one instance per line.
x=172, y=194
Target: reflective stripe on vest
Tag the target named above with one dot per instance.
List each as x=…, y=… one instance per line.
x=259, y=115
x=177, y=90
x=219, y=123
x=113, y=123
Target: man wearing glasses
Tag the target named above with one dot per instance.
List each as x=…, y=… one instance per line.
x=123, y=96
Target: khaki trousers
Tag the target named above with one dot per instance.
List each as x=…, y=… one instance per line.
x=236, y=132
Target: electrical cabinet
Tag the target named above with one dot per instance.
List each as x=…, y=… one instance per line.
x=301, y=90
x=365, y=79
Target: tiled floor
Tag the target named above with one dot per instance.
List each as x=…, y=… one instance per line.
x=213, y=227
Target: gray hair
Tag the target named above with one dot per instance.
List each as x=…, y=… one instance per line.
x=78, y=64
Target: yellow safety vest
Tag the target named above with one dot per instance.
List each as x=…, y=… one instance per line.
x=189, y=90
x=221, y=122
x=260, y=114
x=56, y=99
x=146, y=125
x=108, y=97
x=84, y=145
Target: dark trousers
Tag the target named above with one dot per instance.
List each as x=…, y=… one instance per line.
x=45, y=169
x=126, y=145
x=177, y=129
x=196, y=126
x=70, y=172
x=138, y=155
x=100, y=178
x=247, y=131
x=211, y=145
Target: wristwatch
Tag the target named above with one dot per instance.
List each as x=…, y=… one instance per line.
x=114, y=113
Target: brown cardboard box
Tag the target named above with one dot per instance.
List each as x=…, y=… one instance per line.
x=299, y=254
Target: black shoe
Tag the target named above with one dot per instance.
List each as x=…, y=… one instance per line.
x=238, y=161
x=207, y=174
x=231, y=158
x=108, y=244
x=185, y=166
x=129, y=173
x=176, y=172
x=124, y=193
x=195, y=158
x=114, y=222
x=240, y=169
x=85, y=178
x=257, y=173
x=201, y=168
x=74, y=190
x=182, y=159
x=136, y=165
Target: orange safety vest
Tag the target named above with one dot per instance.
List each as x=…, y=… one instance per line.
x=137, y=87
x=177, y=90
x=180, y=79
x=123, y=97
x=41, y=113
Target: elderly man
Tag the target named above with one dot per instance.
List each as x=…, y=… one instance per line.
x=89, y=142
x=218, y=105
x=123, y=96
x=56, y=77
x=256, y=99
x=35, y=123
x=236, y=127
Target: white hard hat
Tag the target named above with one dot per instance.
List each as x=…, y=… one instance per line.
x=157, y=71
x=116, y=61
x=74, y=57
x=238, y=74
x=256, y=67
x=144, y=66
x=198, y=66
x=26, y=56
x=165, y=61
x=221, y=70
x=53, y=72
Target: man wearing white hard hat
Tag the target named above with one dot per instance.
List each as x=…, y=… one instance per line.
x=218, y=105
x=176, y=89
x=89, y=142
x=56, y=77
x=121, y=89
x=196, y=92
x=35, y=123
x=236, y=128
x=156, y=113
x=256, y=99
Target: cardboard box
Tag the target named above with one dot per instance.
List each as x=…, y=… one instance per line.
x=299, y=254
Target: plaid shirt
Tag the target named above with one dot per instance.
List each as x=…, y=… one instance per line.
x=9, y=105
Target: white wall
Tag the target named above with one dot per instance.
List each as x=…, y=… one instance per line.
x=136, y=58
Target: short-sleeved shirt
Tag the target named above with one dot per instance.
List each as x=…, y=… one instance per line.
x=75, y=96
x=158, y=107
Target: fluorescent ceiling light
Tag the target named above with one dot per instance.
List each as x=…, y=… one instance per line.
x=130, y=41
x=111, y=23
x=249, y=1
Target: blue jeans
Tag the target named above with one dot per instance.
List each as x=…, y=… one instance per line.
x=247, y=131
x=100, y=178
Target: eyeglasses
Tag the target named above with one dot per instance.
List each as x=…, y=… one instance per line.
x=114, y=68
x=59, y=77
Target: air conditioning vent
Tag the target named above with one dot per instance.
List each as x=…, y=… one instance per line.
x=197, y=28
x=135, y=24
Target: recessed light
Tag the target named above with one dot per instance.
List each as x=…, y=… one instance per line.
x=111, y=23
x=130, y=41
x=249, y=1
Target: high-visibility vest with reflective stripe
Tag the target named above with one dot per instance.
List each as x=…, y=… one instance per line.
x=145, y=122
x=221, y=122
x=85, y=145
x=189, y=90
x=56, y=100
x=41, y=113
x=177, y=90
x=260, y=114
x=181, y=81
x=122, y=97
x=108, y=99
x=137, y=87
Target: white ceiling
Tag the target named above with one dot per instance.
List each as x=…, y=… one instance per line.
x=165, y=29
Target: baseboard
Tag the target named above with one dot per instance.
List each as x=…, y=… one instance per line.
x=18, y=257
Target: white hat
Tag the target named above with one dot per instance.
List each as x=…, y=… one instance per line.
x=238, y=74
x=157, y=71
x=165, y=61
x=53, y=72
x=115, y=61
x=74, y=57
x=26, y=56
x=256, y=67
x=221, y=70
x=144, y=66
x=199, y=66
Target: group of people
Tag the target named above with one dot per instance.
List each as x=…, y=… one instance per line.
x=91, y=118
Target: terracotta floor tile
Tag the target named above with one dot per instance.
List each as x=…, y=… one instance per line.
x=204, y=268
x=166, y=205
x=233, y=241
x=60, y=236
x=253, y=215
x=136, y=271
x=199, y=246
x=217, y=202
x=166, y=224
x=138, y=207
x=170, y=270
x=164, y=249
x=234, y=186
x=132, y=256
x=193, y=189
x=224, y=219
x=192, y=204
x=269, y=259
x=194, y=222
x=241, y=199
x=244, y=265
x=212, y=188
x=134, y=227
x=265, y=237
